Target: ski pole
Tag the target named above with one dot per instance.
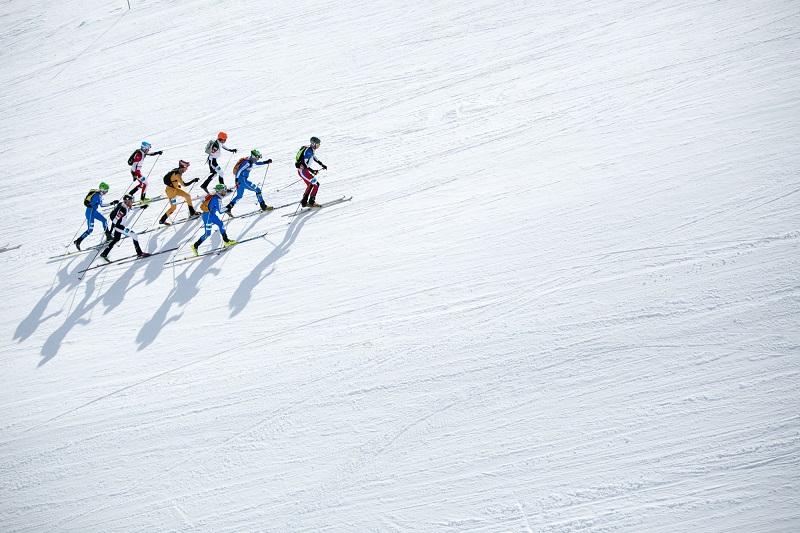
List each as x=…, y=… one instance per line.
x=287, y=186
x=265, y=178
x=154, y=166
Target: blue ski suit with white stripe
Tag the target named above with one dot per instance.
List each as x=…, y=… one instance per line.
x=243, y=183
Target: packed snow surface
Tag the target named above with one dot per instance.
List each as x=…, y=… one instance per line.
x=565, y=295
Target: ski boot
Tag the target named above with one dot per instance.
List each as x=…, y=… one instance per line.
x=77, y=242
x=163, y=220
x=109, y=236
x=265, y=207
x=304, y=201
x=194, y=248
x=139, y=252
x=312, y=203
x=192, y=212
x=228, y=242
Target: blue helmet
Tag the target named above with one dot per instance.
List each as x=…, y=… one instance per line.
x=146, y=145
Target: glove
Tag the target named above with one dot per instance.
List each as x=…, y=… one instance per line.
x=268, y=161
x=234, y=150
x=114, y=202
x=145, y=206
x=158, y=153
x=313, y=171
x=194, y=181
x=324, y=166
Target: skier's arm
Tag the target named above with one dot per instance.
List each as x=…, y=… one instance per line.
x=324, y=167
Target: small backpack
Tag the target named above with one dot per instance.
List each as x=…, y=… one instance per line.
x=210, y=146
x=238, y=164
x=168, y=177
x=130, y=159
x=204, y=206
x=298, y=159
x=88, y=200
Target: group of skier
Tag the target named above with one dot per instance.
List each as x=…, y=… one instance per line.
x=125, y=212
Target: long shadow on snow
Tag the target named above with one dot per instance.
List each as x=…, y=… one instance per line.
x=112, y=297
x=66, y=280
x=53, y=342
x=154, y=267
x=241, y=297
x=186, y=287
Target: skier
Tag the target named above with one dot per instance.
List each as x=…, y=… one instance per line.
x=214, y=150
x=211, y=209
x=93, y=203
x=120, y=218
x=174, y=181
x=135, y=161
x=302, y=161
x=242, y=183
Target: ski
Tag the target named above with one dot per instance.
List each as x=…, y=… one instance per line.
x=215, y=251
x=319, y=206
x=9, y=248
x=81, y=251
x=139, y=202
x=128, y=259
x=259, y=211
x=162, y=226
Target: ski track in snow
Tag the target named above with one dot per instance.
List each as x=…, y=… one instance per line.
x=563, y=298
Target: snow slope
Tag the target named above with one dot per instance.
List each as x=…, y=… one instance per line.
x=564, y=296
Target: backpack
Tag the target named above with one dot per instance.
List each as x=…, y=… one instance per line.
x=204, y=206
x=88, y=200
x=298, y=159
x=168, y=177
x=130, y=159
x=238, y=164
x=210, y=146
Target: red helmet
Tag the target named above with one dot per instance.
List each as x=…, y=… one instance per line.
x=222, y=136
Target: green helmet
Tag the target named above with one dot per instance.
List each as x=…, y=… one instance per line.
x=255, y=153
x=316, y=141
x=103, y=186
x=220, y=187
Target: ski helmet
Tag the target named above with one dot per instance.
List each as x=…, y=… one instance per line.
x=256, y=154
x=127, y=198
x=315, y=141
x=222, y=136
x=183, y=164
x=146, y=145
x=220, y=188
x=103, y=186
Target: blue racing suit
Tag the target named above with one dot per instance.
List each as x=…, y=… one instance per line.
x=93, y=213
x=243, y=183
x=211, y=218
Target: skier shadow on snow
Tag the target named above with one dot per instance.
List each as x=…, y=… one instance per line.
x=66, y=280
x=186, y=287
x=154, y=267
x=241, y=296
x=53, y=342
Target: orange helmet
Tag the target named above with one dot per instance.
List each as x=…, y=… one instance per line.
x=222, y=136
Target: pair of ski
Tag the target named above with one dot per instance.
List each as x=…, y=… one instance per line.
x=319, y=206
x=165, y=226
x=129, y=259
x=214, y=251
x=262, y=211
x=81, y=251
x=140, y=202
